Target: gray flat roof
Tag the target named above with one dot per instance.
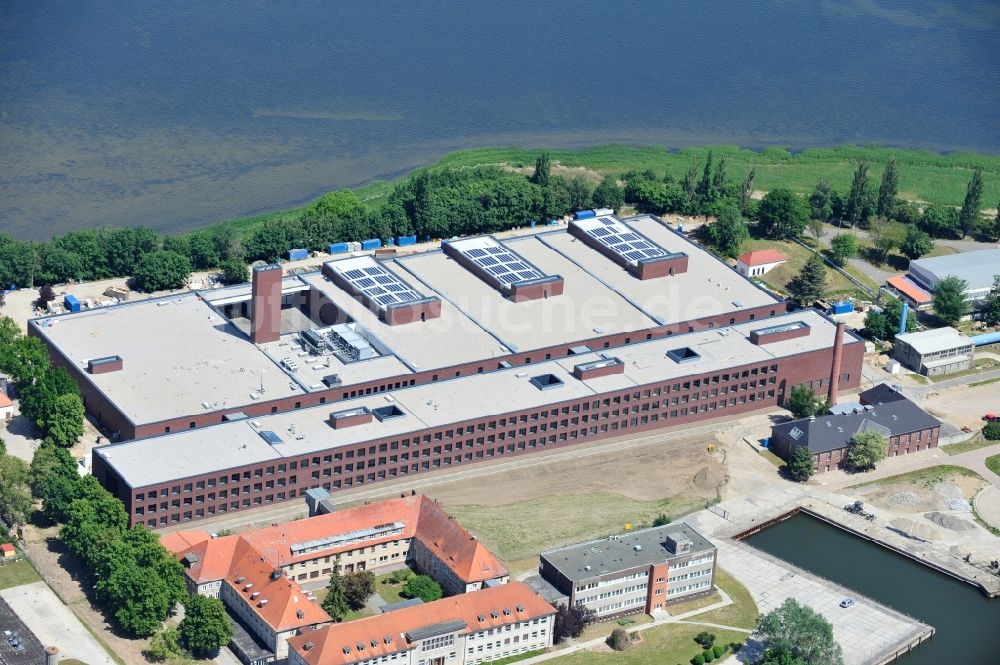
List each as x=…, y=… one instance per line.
x=181, y=357
x=976, y=268
x=933, y=341
x=177, y=354
x=594, y=558
x=708, y=288
x=227, y=445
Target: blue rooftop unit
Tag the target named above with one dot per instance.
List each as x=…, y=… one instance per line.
x=842, y=307
x=71, y=303
x=338, y=248
x=584, y=214
x=403, y=241
x=374, y=243
x=298, y=254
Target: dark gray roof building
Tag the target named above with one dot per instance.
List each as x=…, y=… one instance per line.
x=890, y=418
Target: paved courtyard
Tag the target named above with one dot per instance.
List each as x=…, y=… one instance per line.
x=54, y=624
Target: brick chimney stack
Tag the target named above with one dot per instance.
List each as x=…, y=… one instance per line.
x=838, y=348
x=265, y=304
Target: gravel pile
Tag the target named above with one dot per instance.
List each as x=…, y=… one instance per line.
x=950, y=522
x=907, y=499
x=960, y=504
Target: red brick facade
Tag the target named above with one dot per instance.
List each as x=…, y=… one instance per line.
x=265, y=304
x=724, y=393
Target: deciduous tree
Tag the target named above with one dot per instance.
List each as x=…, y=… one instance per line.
x=854, y=208
x=821, y=202
x=15, y=494
x=916, y=243
x=746, y=191
x=941, y=222
x=543, y=170
x=809, y=284
x=206, y=627
x=886, y=237
x=991, y=308
x=729, y=233
x=571, y=621
x=781, y=213
x=358, y=588
x=949, y=300
x=234, y=271
x=161, y=270
x=423, y=587
x=803, y=402
x=63, y=425
x=968, y=216
x=867, y=449
x=799, y=631
x=843, y=248
x=609, y=194
x=887, y=190
x=800, y=465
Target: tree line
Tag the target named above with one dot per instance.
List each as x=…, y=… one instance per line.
x=449, y=201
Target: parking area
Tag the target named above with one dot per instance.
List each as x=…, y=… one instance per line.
x=53, y=624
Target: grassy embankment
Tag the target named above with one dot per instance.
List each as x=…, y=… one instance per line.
x=924, y=175
x=543, y=522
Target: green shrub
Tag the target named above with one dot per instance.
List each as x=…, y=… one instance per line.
x=718, y=650
x=992, y=431
x=619, y=640
x=708, y=655
x=705, y=639
x=698, y=660
x=400, y=576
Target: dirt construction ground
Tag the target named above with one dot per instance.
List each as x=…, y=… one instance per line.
x=962, y=405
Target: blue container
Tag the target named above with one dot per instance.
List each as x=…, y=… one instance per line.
x=553, y=222
x=71, y=303
x=298, y=254
x=374, y=243
x=338, y=247
x=403, y=241
x=534, y=223
x=842, y=307
x=585, y=214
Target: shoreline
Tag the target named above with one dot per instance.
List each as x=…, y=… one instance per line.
x=935, y=177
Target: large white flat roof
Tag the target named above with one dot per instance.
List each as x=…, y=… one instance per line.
x=220, y=447
x=708, y=288
x=586, y=309
x=177, y=354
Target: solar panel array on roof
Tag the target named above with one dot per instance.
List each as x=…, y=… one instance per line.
x=501, y=263
x=379, y=285
x=623, y=241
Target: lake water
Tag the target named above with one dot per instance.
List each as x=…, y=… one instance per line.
x=967, y=622
x=178, y=114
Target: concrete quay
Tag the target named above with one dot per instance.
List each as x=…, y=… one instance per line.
x=870, y=633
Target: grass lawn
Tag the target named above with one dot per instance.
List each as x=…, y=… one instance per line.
x=927, y=477
x=555, y=520
x=664, y=645
x=603, y=629
x=17, y=573
x=983, y=383
x=779, y=277
x=351, y=614
x=978, y=366
x=993, y=463
x=975, y=444
x=388, y=589
x=741, y=614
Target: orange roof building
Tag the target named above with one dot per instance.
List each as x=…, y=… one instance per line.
x=268, y=564
x=905, y=287
x=758, y=262
x=456, y=630
x=6, y=407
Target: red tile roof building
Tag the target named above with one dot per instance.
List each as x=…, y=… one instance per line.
x=273, y=560
x=467, y=629
x=758, y=262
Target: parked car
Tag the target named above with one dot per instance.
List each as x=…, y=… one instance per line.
x=847, y=602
